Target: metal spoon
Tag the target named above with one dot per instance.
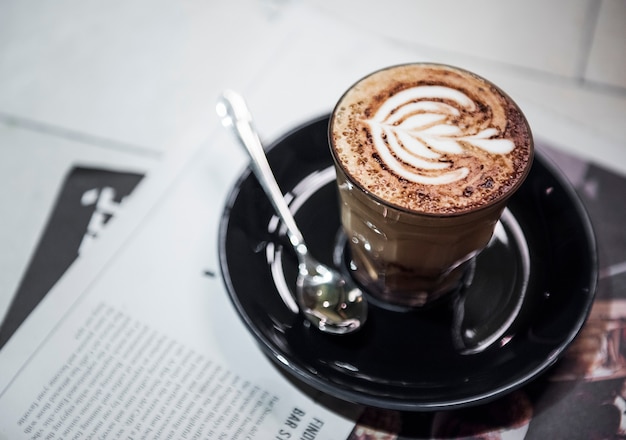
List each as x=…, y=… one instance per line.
x=330, y=301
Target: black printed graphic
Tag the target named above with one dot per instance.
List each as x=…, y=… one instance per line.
x=87, y=200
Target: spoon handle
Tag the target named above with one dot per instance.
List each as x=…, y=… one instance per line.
x=235, y=114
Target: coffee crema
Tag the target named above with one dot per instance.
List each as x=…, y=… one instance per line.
x=431, y=138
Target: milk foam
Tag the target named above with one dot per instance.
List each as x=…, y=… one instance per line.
x=411, y=137
x=431, y=138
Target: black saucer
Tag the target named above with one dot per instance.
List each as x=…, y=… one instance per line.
x=530, y=294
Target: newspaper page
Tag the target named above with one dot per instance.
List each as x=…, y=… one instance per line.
x=150, y=346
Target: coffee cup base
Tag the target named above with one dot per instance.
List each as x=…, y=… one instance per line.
x=415, y=293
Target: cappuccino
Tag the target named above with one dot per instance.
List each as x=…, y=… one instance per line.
x=426, y=157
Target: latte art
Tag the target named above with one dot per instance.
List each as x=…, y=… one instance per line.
x=417, y=137
x=430, y=138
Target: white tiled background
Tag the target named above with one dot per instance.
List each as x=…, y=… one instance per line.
x=122, y=83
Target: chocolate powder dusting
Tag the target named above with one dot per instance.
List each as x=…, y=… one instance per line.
x=377, y=159
x=487, y=183
x=468, y=173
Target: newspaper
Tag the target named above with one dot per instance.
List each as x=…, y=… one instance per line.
x=148, y=344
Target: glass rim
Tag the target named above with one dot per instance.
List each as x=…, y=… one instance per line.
x=458, y=212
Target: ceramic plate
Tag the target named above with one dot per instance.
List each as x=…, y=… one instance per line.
x=530, y=291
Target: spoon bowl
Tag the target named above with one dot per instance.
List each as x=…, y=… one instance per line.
x=330, y=301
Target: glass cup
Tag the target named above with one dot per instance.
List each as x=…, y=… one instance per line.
x=426, y=157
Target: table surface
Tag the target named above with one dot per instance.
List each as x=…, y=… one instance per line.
x=125, y=86
x=118, y=86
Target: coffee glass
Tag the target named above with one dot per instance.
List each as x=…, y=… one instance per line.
x=427, y=156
